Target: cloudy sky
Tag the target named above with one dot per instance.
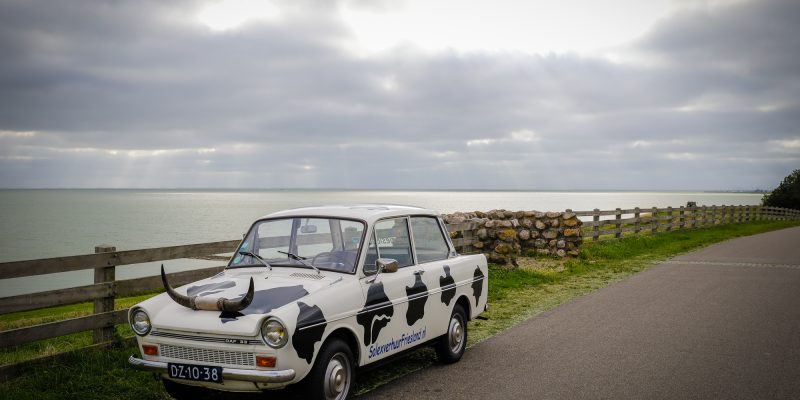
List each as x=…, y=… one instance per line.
x=472, y=94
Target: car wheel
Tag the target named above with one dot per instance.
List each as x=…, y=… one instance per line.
x=179, y=391
x=333, y=373
x=452, y=344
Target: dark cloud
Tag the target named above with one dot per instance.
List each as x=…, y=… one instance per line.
x=135, y=94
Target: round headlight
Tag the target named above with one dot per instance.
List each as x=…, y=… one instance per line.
x=140, y=322
x=274, y=333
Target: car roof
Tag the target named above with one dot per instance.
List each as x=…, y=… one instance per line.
x=366, y=212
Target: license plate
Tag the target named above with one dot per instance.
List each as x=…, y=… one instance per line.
x=202, y=373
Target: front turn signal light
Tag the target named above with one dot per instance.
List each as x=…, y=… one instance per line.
x=149, y=350
x=266, y=361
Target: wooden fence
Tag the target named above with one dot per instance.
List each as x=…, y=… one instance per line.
x=614, y=224
x=106, y=288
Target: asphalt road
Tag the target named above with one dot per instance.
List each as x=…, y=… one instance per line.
x=719, y=323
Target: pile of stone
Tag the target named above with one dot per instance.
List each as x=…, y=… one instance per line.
x=504, y=235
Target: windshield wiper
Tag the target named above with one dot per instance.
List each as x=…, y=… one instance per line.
x=301, y=259
x=257, y=257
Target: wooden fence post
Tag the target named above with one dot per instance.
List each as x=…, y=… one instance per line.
x=681, y=218
x=105, y=304
x=617, y=223
x=654, y=221
x=596, y=227
x=637, y=223
x=704, y=221
x=669, y=214
x=713, y=215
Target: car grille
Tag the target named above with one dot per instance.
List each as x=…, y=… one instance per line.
x=208, y=356
x=210, y=339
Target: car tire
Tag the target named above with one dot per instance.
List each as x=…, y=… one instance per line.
x=179, y=391
x=333, y=374
x=450, y=346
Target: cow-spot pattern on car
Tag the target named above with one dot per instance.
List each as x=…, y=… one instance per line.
x=376, y=313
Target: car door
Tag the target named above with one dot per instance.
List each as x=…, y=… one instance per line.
x=433, y=275
x=382, y=318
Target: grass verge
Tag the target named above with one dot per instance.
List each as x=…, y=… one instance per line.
x=513, y=297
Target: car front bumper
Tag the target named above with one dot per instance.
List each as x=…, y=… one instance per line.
x=247, y=375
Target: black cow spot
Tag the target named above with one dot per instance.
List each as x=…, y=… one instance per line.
x=448, y=285
x=305, y=337
x=417, y=297
x=376, y=314
x=267, y=300
x=211, y=288
x=477, y=284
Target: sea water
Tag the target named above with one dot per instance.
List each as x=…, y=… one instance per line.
x=52, y=223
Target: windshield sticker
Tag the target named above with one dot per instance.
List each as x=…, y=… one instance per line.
x=406, y=339
x=386, y=241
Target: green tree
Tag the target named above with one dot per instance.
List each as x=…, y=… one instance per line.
x=787, y=194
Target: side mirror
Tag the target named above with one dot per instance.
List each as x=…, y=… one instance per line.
x=381, y=265
x=386, y=265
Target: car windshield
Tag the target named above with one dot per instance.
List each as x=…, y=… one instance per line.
x=326, y=243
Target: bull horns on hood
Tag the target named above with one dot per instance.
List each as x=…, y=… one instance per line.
x=209, y=303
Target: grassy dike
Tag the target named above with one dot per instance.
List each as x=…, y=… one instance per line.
x=514, y=296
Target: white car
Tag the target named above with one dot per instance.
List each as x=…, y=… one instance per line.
x=310, y=295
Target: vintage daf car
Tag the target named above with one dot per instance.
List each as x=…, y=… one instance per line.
x=310, y=295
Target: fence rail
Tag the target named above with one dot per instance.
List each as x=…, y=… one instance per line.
x=106, y=288
x=654, y=220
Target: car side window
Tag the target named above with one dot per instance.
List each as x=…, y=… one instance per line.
x=393, y=241
x=429, y=242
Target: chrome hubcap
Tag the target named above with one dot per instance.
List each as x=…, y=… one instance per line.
x=337, y=377
x=456, y=333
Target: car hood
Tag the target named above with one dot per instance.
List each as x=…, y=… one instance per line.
x=274, y=290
